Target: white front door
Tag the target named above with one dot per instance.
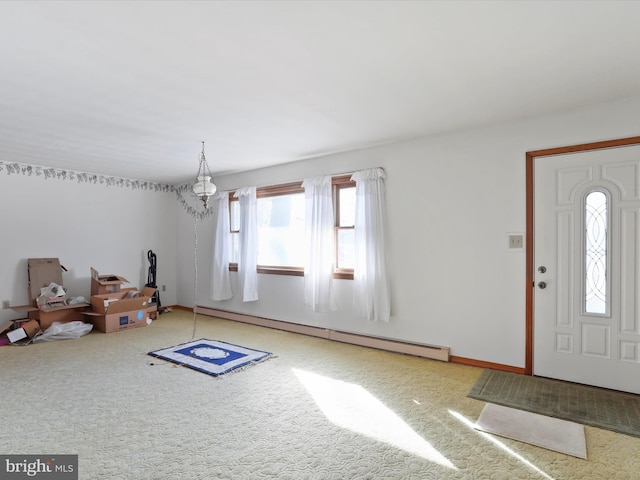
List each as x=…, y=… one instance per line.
x=587, y=268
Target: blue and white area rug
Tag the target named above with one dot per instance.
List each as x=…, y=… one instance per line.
x=211, y=356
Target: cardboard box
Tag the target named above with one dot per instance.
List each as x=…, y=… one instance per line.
x=42, y=272
x=118, y=321
x=31, y=328
x=102, y=284
x=66, y=313
x=27, y=329
x=123, y=301
x=126, y=309
x=47, y=315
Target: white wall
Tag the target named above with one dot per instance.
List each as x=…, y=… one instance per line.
x=451, y=200
x=85, y=225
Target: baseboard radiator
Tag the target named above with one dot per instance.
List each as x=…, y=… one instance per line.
x=398, y=346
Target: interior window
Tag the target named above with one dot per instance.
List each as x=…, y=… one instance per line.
x=281, y=235
x=234, y=225
x=345, y=227
x=281, y=228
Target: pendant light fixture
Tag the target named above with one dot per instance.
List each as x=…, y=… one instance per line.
x=204, y=187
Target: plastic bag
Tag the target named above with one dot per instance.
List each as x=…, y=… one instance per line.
x=64, y=331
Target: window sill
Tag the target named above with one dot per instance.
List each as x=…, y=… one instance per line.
x=292, y=271
x=295, y=271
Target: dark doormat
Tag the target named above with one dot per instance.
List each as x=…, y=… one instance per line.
x=597, y=407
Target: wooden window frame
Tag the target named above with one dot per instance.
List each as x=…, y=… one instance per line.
x=343, y=181
x=337, y=182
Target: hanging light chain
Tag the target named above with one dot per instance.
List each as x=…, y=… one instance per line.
x=195, y=278
x=203, y=168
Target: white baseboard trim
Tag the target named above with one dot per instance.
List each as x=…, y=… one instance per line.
x=398, y=346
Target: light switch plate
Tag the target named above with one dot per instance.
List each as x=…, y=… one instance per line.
x=515, y=241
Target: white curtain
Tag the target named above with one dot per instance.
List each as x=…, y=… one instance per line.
x=319, y=235
x=220, y=281
x=371, y=284
x=248, y=240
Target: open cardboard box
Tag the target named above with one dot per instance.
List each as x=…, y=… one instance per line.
x=101, y=284
x=25, y=332
x=128, y=308
x=42, y=272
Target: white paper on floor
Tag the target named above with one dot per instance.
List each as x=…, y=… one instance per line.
x=546, y=432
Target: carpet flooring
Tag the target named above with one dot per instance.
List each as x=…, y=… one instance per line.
x=320, y=410
x=597, y=407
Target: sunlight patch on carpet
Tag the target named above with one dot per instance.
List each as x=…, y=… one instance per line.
x=211, y=356
x=352, y=407
x=539, y=430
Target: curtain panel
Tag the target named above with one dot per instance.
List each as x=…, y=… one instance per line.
x=248, y=241
x=371, y=284
x=220, y=281
x=319, y=236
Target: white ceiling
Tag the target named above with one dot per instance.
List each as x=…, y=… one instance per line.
x=131, y=88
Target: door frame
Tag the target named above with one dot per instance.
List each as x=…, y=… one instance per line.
x=530, y=267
